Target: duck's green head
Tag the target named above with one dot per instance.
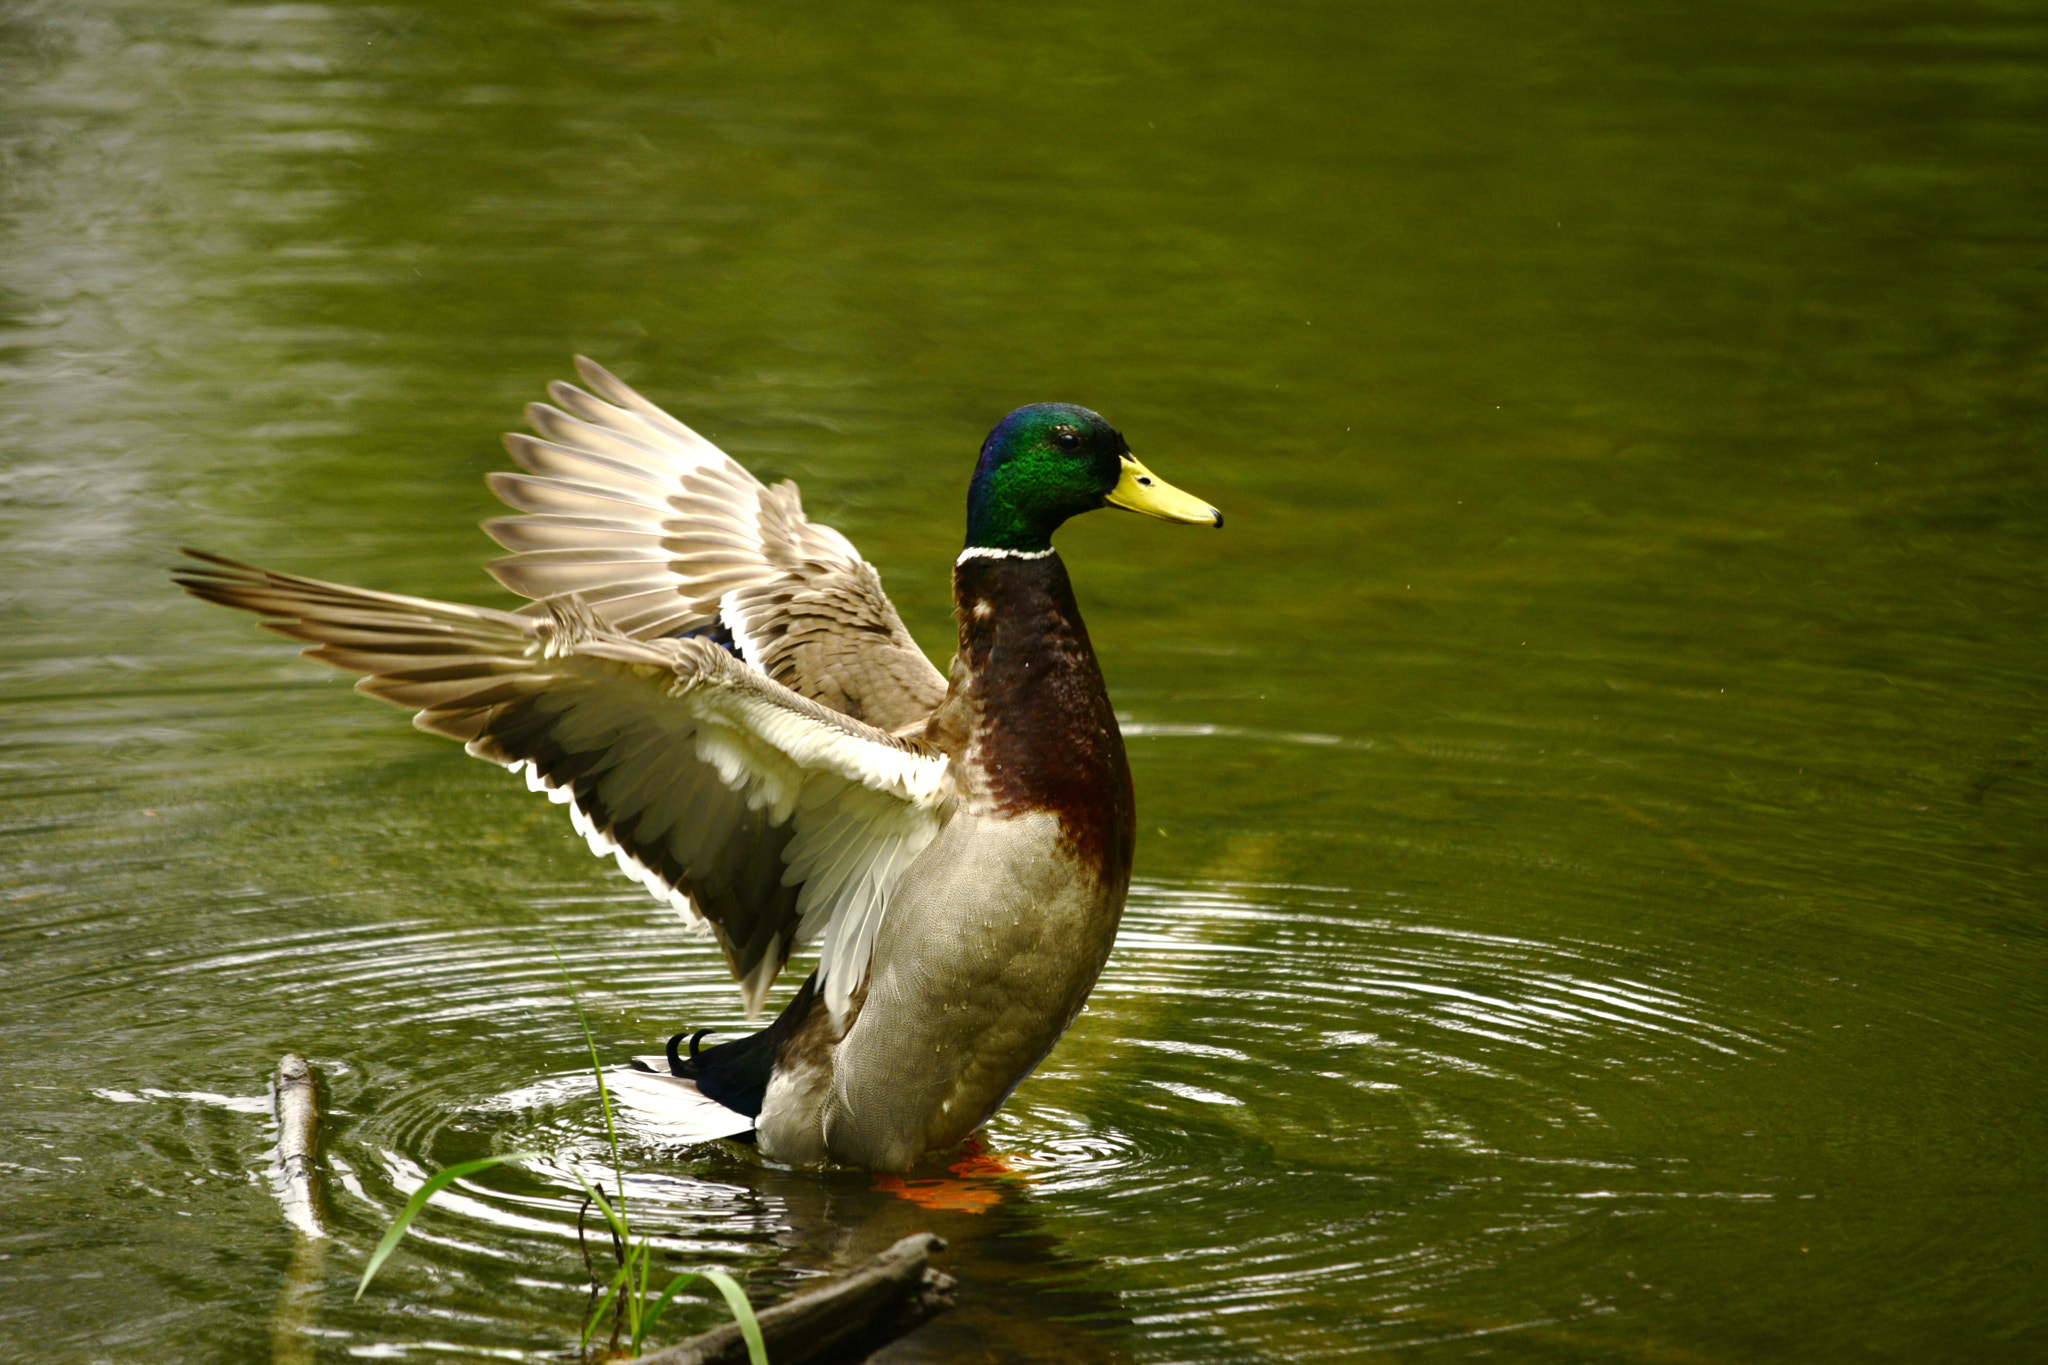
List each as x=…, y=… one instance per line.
x=1050, y=461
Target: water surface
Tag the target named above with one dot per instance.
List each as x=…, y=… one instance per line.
x=1594, y=793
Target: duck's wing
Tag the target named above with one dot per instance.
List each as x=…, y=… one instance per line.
x=660, y=533
x=774, y=819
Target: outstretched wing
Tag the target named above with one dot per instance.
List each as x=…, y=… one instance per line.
x=775, y=819
x=659, y=532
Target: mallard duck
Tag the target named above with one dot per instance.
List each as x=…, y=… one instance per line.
x=722, y=695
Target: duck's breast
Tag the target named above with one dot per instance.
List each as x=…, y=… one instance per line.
x=992, y=942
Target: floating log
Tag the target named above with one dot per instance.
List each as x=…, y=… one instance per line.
x=296, y=1179
x=843, y=1320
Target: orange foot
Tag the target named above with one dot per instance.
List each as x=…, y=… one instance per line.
x=974, y=1187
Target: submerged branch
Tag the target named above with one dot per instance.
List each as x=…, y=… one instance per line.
x=295, y=1179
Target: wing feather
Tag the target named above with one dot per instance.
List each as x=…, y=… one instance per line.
x=741, y=803
x=533, y=493
x=659, y=532
x=530, y=535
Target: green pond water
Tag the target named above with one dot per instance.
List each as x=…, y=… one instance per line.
x=1592, y=901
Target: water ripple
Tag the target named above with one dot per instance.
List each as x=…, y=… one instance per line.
x=1367, y=1097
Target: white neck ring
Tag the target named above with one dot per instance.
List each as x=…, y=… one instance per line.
x=990, y=552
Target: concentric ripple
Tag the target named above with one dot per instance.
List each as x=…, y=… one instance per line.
x=1274, y=1086
x=1293, y=1118
x=1273, y=1090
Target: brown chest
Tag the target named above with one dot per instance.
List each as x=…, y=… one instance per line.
x=1027, y=719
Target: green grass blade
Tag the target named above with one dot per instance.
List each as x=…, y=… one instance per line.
x=597, y=1314
x=618, y=1224
x=742, y=1312
x=419, y=1201
x=661, y=1304
x=604, y=1093
x=735, y=1300
x=638, y=1308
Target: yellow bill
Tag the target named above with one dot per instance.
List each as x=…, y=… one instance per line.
x=1140, y=490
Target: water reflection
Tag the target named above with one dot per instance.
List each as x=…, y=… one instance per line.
x=1270, y=1089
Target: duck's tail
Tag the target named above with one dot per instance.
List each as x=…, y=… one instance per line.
x=672, y=1107
x=713, y=1092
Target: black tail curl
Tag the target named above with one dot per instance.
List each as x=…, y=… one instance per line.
x=736, y=1074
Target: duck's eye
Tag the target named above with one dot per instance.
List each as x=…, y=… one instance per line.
x=1067, y=440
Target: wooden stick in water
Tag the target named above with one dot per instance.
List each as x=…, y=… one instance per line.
x=846, y=1319
x=297, y=1183
x=298, y=1132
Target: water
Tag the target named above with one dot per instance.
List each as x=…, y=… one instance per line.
x=1594, y=792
